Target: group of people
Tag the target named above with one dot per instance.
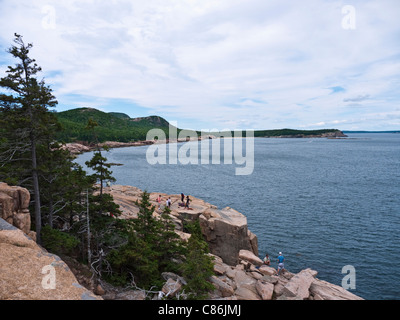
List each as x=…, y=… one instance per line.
x=183, y=202
x=280, y=260
x=168, y=202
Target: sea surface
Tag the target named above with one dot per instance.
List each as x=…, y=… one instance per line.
x=325, y=203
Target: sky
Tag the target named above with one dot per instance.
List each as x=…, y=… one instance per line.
x=226, y=64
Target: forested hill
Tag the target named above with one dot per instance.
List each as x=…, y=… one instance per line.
x=117, y=126
x=113, y=126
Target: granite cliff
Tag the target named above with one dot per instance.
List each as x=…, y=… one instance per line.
x=26, y=269
x=239, y=272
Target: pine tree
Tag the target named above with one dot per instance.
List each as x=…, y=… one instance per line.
x=152, y=247
x=25, y=117
x=172, y=248
x=198, y=266
x=101, y=168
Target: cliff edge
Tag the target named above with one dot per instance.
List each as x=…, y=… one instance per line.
x=239, y=272
x=28, y=271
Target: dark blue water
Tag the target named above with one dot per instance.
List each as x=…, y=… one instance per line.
x=324, y=203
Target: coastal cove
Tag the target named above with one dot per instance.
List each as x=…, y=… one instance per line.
x=326, y=203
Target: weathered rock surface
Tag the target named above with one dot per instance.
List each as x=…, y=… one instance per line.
x=265, y=289
x=299, y=285
x=225, y=230
x=223, y=287
x=226, y=233
x=171, y=287
x=250, y=257
x=244, y=282
x=322, y=290
x=75, y=148
x=239, y=272
x=28, y=272
x=14, y=206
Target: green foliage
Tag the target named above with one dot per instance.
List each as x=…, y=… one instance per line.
x=198, y=267
x=151, y=249
x=26, y=122
x=290, y=132
x=142, y=248
x=99, y=165
x=59, y=242
x=111, y=126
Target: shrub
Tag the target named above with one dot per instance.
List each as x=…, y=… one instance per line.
x=58, y=242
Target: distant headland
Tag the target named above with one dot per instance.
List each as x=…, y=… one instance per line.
x=117, y=129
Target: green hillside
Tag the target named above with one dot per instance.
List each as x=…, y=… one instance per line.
x=113, y=126
x=117, y=126
x=292, y=132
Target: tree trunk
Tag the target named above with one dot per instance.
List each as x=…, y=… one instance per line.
x=51, y=211
x=36, y=190
x=88, y=230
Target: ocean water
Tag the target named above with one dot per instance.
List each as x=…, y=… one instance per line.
x=325, y=203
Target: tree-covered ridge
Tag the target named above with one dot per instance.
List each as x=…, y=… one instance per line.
x=113, y=126
x=291, y=132
x=117, y=126
x=73, y=216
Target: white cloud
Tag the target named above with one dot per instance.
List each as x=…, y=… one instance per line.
x=238, y=63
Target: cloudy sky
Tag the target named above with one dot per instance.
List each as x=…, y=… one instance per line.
x=226, y=64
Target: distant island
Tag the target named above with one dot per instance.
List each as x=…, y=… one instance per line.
x=120, y=128
x=391, y=131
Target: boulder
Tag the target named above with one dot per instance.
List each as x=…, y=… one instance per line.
x=243, y=293
x=130, y=295
x=250, y=257
x=298, y=286
x=14, y=206
x=171, y=287
x=225, y=289
x=270, y=279
x=265, y=289
x=226, y=233
x=220, y=268
x=75, y=148
x=28, y=272
x=322, y=290
x=245, y=286
x=266, y=270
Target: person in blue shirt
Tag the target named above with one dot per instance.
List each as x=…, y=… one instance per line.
x=281, y=265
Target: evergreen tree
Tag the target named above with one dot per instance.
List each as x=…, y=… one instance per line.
x=98, y=163
x=25, y=117
x=152, y=248
x=101, y=168
x=55, y=178
x=172, y=247
x=198, y=267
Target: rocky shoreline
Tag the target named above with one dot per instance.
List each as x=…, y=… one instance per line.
x=330, y=135
x=81, y=147
x=239, y=272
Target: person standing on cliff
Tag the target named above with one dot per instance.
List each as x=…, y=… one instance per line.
x=187, y=202
x=169, y=203
x=281, y=265
x=159, y=202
